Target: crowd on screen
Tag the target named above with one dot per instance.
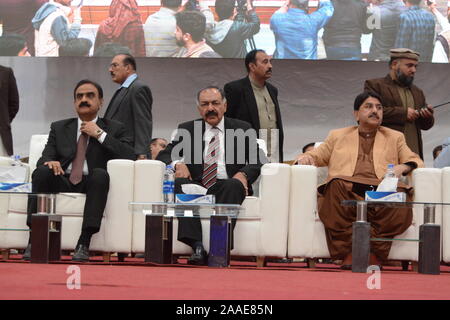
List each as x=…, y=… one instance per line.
x=227, y=29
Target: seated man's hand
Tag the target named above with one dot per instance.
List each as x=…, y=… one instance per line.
x=401, y=169
x=182, y=171
x=305, y=159
x=90, y=128
x=55, y=166
x=243, y=179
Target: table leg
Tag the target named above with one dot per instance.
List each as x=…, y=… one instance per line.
x=429, y=245
x=360, y=239
x=219, y=241
x=45, y=238
x=158, y=239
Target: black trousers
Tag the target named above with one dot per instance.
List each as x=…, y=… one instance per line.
x=227, y=191
x=95, y=186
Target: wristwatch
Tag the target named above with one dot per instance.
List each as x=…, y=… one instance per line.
x=98, y=133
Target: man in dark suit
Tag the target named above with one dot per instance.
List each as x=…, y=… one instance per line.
x=9, y=106
x=404, y=105
x=131, y=104
x=220, y=154
x=75, y=158
x=254, y=100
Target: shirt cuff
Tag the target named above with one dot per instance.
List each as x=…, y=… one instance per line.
x=102, y=137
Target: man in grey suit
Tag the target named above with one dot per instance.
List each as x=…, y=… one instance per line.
x=9, y=106
x=131, y=104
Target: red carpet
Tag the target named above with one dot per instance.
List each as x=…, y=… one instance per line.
x=243, y=281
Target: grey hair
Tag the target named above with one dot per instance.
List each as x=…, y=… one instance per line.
x=222, y=94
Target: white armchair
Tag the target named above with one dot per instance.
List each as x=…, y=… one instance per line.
x=264, y=236
x=115, y=232
x=306, y=238
x=445, y=232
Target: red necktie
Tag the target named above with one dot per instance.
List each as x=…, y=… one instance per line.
x=209, y=177
x=77, y=165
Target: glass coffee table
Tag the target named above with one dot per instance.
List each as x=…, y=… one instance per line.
x=429, y=234
x=159, y=222
x=46, y=225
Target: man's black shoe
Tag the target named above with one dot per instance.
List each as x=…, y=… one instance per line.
x=81, y=253
x=199, y=257
x=27, y=254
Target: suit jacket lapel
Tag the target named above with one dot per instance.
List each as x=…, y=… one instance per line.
x=251, y=103
x=196, y=163
x=226, y=125
x=353, y=143
x=397, y=101
x=115, y=102
x=416, y=96
x=379, y=150
x=277, y=107
x=71, y=136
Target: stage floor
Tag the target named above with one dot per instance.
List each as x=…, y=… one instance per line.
x=133, y=280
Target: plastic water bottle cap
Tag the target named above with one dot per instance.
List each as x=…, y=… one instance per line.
x=390, y=166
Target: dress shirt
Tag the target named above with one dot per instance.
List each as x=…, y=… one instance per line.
x=296, y=31
x=129, y=81
x=207, y=136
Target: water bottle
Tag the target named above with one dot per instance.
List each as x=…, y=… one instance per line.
x=16, y=160
x=169, y=184
x=390, y=173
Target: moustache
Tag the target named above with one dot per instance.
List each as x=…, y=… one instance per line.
x=374, y=115
x=211, y=113
x=84, y=104
x=270, y=70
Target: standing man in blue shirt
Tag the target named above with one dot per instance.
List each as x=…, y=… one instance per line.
x=416, y=30
x=296, y=31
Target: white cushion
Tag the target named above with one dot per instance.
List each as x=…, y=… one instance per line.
x=445, y=232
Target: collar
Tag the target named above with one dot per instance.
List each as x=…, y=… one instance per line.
x=129, y=80
x=297, y=10
x=220, y=126
x=167, y=10
x=197, y=49
x=80, y=121
x=255, y=85
x=414, y=8
x=368, y=134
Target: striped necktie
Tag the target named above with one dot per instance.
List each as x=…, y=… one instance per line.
x=209, y=177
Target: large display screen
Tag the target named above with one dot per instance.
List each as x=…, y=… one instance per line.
x=286, y=29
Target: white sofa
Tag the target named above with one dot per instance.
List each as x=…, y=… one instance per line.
x=306, y=237
x=115, y=232
x=446, y=215
x=263, y=234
